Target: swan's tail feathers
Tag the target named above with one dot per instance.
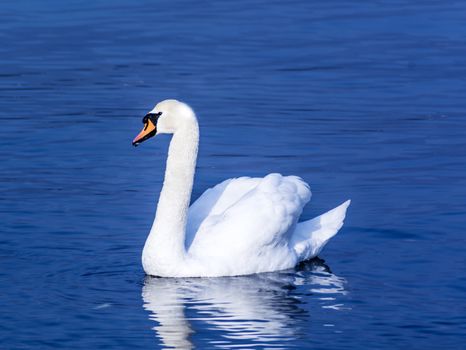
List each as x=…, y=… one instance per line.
x=311, y=236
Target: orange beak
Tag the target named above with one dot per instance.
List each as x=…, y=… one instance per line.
x=146, y=133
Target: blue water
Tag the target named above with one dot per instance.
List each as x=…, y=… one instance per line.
x=364, y=100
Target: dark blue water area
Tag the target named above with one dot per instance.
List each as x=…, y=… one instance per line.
x=362, y=99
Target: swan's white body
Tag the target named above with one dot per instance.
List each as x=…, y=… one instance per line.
x=241, y=226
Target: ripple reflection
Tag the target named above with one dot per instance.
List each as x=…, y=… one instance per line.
x=258, y=310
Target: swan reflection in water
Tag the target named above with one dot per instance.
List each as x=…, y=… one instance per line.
x=255, y=310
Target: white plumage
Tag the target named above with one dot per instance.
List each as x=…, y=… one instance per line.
x=241, y=226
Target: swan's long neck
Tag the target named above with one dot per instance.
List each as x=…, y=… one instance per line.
x=165, y=245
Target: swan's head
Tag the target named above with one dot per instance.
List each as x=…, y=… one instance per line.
x=166, y=117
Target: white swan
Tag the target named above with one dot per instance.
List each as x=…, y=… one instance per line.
x=239, y=227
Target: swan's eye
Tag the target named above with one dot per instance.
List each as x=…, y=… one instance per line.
x=153, y=117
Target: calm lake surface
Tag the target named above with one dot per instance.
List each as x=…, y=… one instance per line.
x=363, y=100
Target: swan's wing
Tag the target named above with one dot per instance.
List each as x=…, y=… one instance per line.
x=255, y=222
x=215, y=201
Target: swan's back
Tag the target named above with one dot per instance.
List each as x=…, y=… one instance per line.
x=246, y=224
